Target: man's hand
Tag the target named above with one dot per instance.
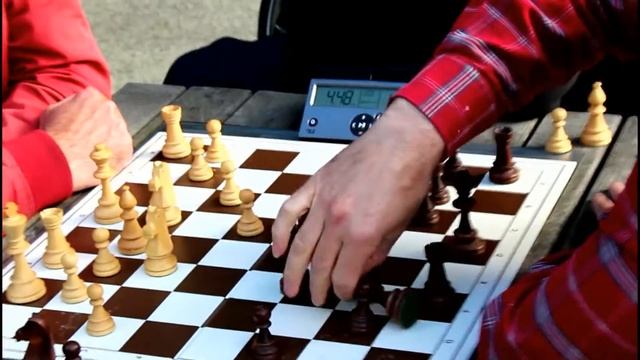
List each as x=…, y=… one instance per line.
x=81, y=121
x=602, y=204
x=358, y=204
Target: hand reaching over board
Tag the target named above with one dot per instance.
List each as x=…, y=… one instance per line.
x=81, y=121
x=358, y=204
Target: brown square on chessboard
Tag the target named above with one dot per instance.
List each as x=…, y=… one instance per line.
x=211, y=280
x=142, y=220
x=134, y=302
x=235, y=314
x=497, y=202
x=191, y=249
x=62, y=324
x=419, y=222
x=81, y=239
x=390, y=354
x=275, y=160
x=140, y=192
x=462, y=258
x=53, y=287
x=337, y=328
x=287, y=184
x=304, y=296
x=446, y=312
x=159, y=339
x=289, y=348
x=127, y=267
x=400, y=271
x=212, y=183
x=267, y=262
x=212, y=204
x=264, y=237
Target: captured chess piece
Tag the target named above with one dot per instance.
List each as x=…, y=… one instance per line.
x=71, y=350
x=264, y=346
x=131, y=241
x=437, y=289
x=401, y=305
x=249, y=224
x=175, y=146
x=200, y=169
x=559, y=142
x=37, y=333
x=216, y=151
x=108, y=210
x=596, y=132
x=503, y=170
x=16, y=223
x=450, y=167
x=160, y=259
x=466, y=238
x=57, y=244
x=74, y=290
x=439, y=193
x=105, y=264
x=230, y=195
x=163, y=195
x=100, y=322
x=24, y=287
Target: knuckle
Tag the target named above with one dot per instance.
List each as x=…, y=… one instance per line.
x=339, y=210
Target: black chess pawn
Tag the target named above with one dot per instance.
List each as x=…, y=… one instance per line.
x=439, y=192
x=466, y=237
x=451, y=166
x=437, y=289
x=503, y=170
x=263, y=345
x=71, y=350
x=361, y=315
x=432, y=215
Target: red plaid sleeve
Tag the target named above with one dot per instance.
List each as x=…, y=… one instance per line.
x=501, y=54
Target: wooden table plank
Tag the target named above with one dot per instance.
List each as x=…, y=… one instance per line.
x=588, y=162
x=271, y=109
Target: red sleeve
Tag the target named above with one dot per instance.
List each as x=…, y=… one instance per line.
x=52, y=54
x=501, y=54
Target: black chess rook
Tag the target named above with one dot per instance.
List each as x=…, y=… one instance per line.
x=503, y=170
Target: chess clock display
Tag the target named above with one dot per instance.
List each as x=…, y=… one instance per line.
x=344, y=109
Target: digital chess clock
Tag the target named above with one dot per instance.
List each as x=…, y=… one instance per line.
x=344, y=109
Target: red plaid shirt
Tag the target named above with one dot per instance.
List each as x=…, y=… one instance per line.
x=497, y=57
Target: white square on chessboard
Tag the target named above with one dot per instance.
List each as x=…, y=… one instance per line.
x=238, y=152
x=186, y=308
x=190, y=198
x=298, y=321
x=268, y=205
x=83, y=307
x=125, y=328
x=42, y=271
x=257, y=181
x=258, y=286
x=207, y=225
x=528, y=178
x=14, y=317
x=142, y=175
x=140, y=279
x=348, y=305
x=411, y=244
x=322, y=350
x=422, y=337
x=462, y=277
x=90, y=221
x=488, y=226
x=308, y=162
x=224, y=343
x=234, y=254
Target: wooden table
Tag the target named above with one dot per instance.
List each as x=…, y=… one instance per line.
x=277, y=115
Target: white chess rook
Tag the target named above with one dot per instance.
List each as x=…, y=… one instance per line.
x=175, y=146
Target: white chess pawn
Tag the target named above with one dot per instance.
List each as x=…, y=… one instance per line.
x=100, y=322
x=596, y=132
x=230, y=195
x=175, y=146
x=131, y=241
x=105, y=264
x=249, y=224
x=57, y=244
x=74, y=289
x=217, y=151
x=200, y=169
x=559, y=142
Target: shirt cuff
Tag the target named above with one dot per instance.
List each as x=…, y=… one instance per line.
x=43, y=165
x=455, y=97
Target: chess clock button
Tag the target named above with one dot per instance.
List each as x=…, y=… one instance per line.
x=312, y=122
x=360, y=124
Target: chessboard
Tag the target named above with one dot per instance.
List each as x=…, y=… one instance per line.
x=205, y=309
